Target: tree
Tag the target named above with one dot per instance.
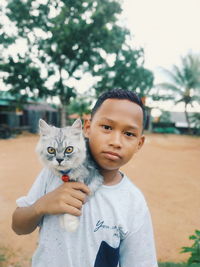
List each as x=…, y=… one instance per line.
x=126, y=71
x=67, y=38
x=24, y=77
x=19, y=72
x=80, y=105
x=195, y=120
x=184, y=84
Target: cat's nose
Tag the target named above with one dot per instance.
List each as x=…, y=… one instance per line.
x=59, y=160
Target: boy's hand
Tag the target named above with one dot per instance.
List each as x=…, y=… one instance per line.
x=67, y=198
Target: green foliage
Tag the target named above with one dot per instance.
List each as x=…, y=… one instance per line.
x=80, y=105
x=7, y=258
x=195, y=119
x=167, y=130
x=184, y=80
x=126, y=72
x=171, y=264
x=6, y=40
x=65, y=39
x=194, y=250
x=24, y=78
x=165, y=116
x=184, y=83
x=2, y=258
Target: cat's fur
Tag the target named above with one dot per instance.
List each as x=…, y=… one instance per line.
x=78, y=164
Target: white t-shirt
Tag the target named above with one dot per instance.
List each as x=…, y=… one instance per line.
x=115, y=229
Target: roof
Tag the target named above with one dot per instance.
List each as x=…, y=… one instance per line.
x=179, y=119
x=4, y=102
x=6, y=95
x=6, y=98
x=40, y=107
x=76, y=116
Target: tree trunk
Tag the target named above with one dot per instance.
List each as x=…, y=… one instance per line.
x=63, y=116
x=188, y=120
x=64, y=112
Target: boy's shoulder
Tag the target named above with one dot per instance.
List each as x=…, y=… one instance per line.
x=128, y=185
x=126, y=192
x=133, y=192
x=126, y=201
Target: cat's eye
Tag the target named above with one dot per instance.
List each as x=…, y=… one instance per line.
x=69, y=149
x=51, y=150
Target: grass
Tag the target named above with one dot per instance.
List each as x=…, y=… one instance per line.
x=7, y=258
x=171, y=264
x=4, y=261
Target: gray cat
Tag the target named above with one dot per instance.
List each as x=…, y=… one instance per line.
x=64, y=152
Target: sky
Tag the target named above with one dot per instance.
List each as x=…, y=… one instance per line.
x=166, y=29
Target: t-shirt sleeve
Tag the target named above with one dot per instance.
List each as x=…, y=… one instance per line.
x=37, y=190
x=138, y=248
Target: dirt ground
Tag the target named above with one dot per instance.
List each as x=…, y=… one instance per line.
x=166, y=170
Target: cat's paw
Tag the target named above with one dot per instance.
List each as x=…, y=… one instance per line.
x=69, y=222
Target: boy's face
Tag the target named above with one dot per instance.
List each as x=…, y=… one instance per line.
x=115, y=133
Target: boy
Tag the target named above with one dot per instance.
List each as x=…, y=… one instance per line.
x=115, y=226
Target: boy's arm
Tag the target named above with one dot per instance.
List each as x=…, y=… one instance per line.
x=25, y=220
x=67, y=198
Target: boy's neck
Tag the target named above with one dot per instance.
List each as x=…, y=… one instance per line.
x=111, y=177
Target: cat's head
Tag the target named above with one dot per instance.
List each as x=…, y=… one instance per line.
x=61, y=148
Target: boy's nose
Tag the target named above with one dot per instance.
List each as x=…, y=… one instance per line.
x=115, y=140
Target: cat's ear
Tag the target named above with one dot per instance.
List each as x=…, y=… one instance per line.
x=77, y=124
x=44, y=127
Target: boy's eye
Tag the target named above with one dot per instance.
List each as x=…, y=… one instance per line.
x=129, y=134
x=51, y=150
x=69, y=149
x=106, y=127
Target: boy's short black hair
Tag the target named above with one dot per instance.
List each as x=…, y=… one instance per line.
x=119, y=94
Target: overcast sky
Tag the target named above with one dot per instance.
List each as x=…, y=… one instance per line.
x=167, y=29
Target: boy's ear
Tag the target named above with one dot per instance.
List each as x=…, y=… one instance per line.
x=141, y=142
x=86, y=128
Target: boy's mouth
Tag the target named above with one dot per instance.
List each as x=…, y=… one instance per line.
x=111, y=155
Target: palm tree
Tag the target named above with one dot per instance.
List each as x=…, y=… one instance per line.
x=184, y=84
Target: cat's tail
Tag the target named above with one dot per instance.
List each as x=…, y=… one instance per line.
x=69, y=222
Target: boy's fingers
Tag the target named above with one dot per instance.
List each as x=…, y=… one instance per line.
x=73, y=211
x=81, y=186
x=74, y=203
x=79, y=195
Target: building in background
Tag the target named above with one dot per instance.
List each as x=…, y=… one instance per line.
x=16, y=117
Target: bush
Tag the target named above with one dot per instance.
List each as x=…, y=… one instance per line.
x=169, y=130
x=6, y=258
x=194, y=250
x=171, y=264
x=2, y=258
